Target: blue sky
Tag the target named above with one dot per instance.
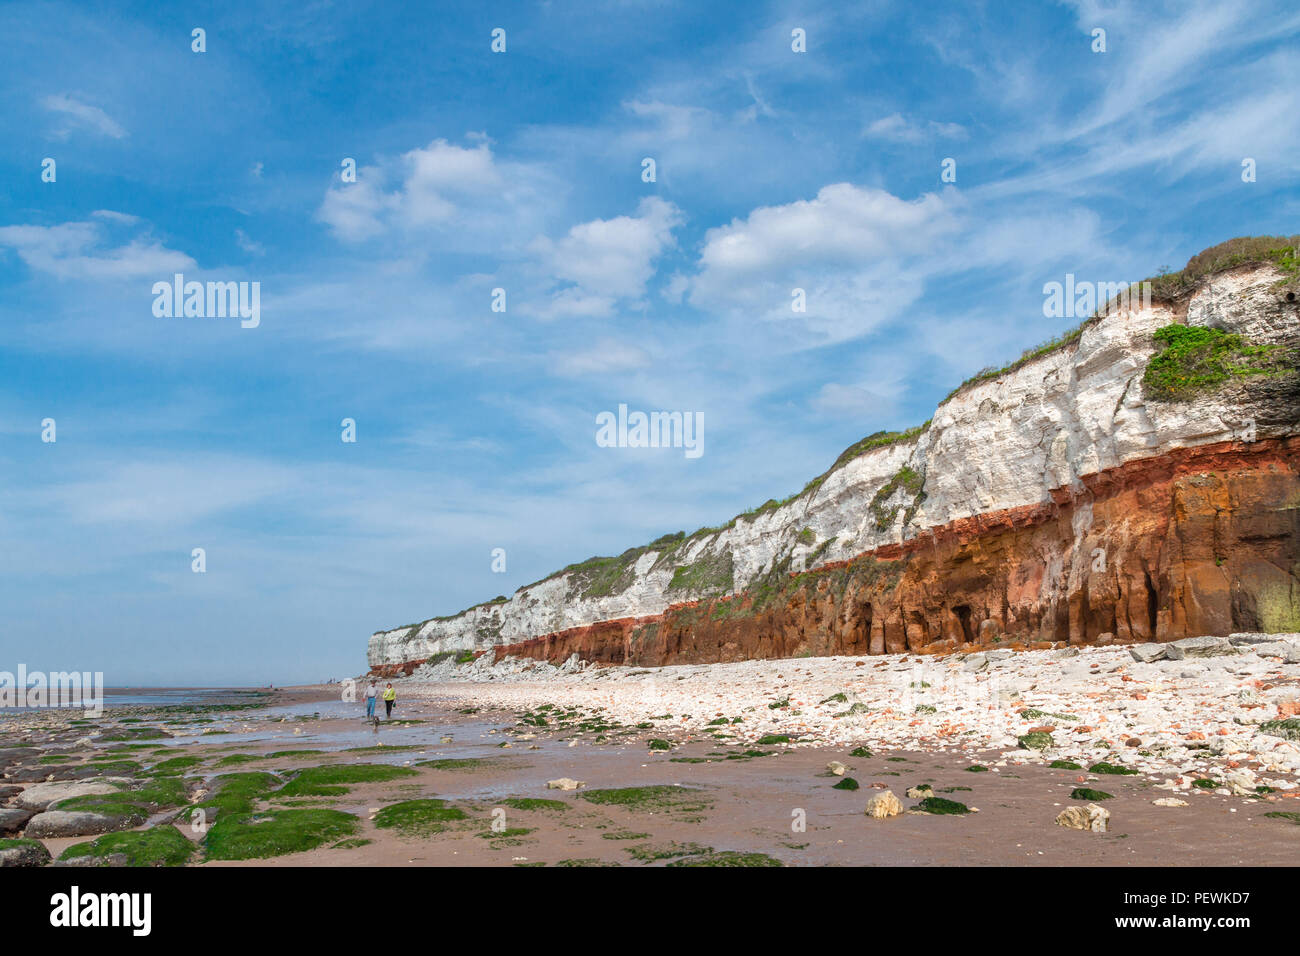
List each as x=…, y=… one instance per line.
x=522, y=170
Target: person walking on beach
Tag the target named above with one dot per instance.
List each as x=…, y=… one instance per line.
x=371, y=693
x=390, y=696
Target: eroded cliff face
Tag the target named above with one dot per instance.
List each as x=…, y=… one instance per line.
x=1055, y=502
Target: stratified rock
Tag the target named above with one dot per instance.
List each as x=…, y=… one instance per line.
x=884, y=805
x=1092, y=817
x=1146, y=653
x=1011, y=468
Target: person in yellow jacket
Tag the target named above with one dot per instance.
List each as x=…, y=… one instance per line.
x=390, y=697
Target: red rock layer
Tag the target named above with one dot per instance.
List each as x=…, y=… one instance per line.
x=1201, y=541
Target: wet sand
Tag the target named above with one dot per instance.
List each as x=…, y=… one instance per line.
x=782, y=805
x=754, y=805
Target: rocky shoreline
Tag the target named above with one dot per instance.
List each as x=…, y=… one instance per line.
x=1179, y=711
x=1185, y=753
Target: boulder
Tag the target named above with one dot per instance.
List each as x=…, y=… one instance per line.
x=920, y=793
x=836, y=768
x=1240, y=640
x=1146, y=653
x=28, y=775
x=1207, y=646
x=1092, y=818
x=1240, y=782
x=1280, y=649
x=884, y=805
x=1169, y=802
x=565, y=783
x=67, y=823
x=13, y=820
x=41, y=795
x=23, y=853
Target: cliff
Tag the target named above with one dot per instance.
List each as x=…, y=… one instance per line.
x=1134, y=481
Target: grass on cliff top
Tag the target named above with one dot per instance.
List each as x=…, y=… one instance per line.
x=1168, y=286
x=1243, y=250
x=1194, y=359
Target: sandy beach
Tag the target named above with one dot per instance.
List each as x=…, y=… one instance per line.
x=754, y=763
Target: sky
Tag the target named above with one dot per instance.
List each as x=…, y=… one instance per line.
x=774, y=169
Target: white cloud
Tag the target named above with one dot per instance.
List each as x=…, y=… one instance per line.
x=79, y=250
x=853, y=251
x=608, y=259
x=464, y=194
x=82, y=114
x=900, y=130
x=844, y=224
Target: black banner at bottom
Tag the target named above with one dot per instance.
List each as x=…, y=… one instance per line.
x=339, y=906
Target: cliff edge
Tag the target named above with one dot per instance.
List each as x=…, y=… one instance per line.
x=1135, y=480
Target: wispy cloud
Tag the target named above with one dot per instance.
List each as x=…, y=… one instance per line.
x=896, y=128
x=81, y=250
x=80, y=115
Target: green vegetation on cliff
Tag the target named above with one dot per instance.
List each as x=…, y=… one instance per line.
x=1194, y=359
x=711, y=573
x=910, y=481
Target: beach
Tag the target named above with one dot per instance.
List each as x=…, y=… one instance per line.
x=757, y=763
